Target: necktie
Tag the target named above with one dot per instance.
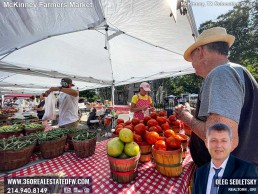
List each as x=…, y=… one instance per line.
x=214, y=188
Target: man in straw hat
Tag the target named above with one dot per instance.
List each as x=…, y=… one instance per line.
x=229, y=95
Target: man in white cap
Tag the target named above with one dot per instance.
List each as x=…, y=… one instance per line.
x=229, y=95
x=141, y=103
x=68, y=104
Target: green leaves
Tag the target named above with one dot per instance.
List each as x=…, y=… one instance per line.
x=242, y=22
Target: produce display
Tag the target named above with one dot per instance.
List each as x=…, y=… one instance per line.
x=84, y=143
x=8, y=110
x=156, y=129
x=33, y=126
x=16, y=143
x=11, y=128
x=50, y=135
x=84, y=135
x=123, y=146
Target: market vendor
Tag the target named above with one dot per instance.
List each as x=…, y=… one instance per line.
x=68, y=104
x=141, y=103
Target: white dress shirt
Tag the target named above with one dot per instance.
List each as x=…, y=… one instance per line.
x=212, y=173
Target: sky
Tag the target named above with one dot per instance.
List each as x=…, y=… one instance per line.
x=205, y=10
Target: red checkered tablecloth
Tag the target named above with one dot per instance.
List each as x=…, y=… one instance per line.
x=149, y=180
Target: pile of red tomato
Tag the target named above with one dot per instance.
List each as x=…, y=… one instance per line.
x=156, y=129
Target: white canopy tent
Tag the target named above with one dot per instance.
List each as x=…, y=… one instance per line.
x=99, y=43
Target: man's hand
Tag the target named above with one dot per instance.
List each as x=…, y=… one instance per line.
x=182, y=112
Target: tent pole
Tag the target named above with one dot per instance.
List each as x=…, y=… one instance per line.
x=113, y=95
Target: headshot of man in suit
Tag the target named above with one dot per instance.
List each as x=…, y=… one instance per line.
x=223, y=164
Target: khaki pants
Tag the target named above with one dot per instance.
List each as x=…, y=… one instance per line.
x=71, y=125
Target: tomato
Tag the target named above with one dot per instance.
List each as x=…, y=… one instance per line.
x=159, y=129
x=172, y=118
x=139, y=129
x=137, y=138
x=152, y=122
x=161, y=120
x=168, y=121
x=128, y=123
x=173, y=143
x=160, y=145
x=165, y=126
x=146, y=119
x=152, y=137
x=169, y=133
x=118, y=130
x=162, y=113
x=176, y=123
x=119, y=126
x=141, y=121
x=135, y=121
x=152, y=128
x=118, y=121
x=153, y=115
x=183, y=136
x=162, y=138
x=129, y=127
x=123, y=124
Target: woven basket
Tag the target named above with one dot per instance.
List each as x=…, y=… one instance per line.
x=123, y=170
x=145, y=151
x=12, y=159
x=86, y=148
x=168, y=163
x=52, y=149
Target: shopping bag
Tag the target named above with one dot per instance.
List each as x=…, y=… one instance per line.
x=50, y=107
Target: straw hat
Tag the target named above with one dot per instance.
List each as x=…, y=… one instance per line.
x=216, y=34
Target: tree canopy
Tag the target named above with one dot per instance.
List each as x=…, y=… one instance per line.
x=242, y=22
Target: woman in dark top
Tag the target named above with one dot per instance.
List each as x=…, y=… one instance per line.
x=39, y=108
x=92, y=116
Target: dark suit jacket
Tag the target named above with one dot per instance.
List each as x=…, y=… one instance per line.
x=235, y=169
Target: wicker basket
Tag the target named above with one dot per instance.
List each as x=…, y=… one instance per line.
x=12, y=159
x=168, y=163
x=145, y=151
x=52, y=149
x=123, y=170
x=86, y=148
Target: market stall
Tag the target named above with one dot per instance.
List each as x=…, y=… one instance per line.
x=148, y=180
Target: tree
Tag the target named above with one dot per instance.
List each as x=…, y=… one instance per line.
x=190, y=83
x=242, y=22
x=89, y=94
